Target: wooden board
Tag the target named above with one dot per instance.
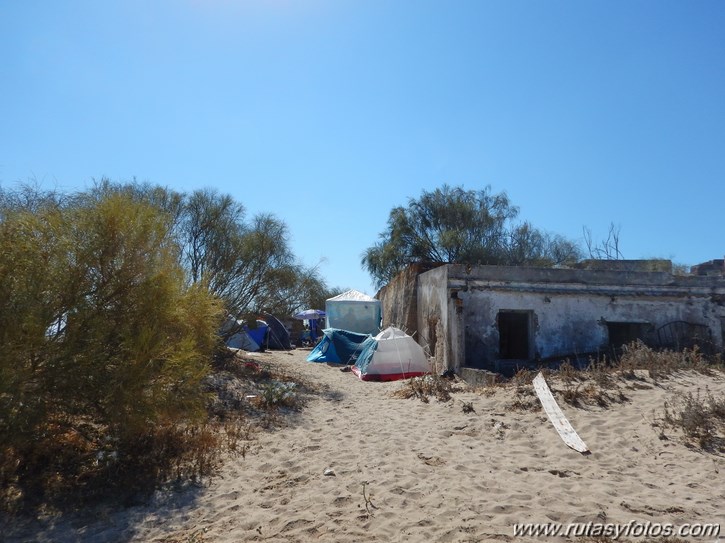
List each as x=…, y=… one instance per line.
x=556, y=416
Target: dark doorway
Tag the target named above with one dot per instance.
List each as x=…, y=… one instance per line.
x=622, y=333
x=679, y=335
x=514, y=332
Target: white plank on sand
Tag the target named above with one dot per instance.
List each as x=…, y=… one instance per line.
x=556, y=416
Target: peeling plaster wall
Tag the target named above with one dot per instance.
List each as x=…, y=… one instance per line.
x=568, y=324
x=568, y=309
x=400, y=301
x=433, y=329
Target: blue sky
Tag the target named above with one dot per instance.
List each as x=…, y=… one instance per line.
x=329, y=113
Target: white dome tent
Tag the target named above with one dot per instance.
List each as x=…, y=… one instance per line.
x=392, y=355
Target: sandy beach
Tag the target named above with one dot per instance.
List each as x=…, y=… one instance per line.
x=406, y=470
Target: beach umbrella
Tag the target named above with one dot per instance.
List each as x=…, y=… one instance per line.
x=309, y=314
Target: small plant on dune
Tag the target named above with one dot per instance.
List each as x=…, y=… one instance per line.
x=700, y=417
x=660, y=364
x=236, y=436
x=568, y=373
x=600, y=370
x=585, y=394
x=589, y=387
x=573, y=395
x=523, y=378
x=467, y=407
x=426, y=386
x=717, y=407
x=525, y=399
x=523, y=403
x=369, y=506
x=277, y=394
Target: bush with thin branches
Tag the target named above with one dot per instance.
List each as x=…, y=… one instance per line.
x=104, y=348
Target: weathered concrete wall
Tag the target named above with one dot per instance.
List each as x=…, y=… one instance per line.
x=399, y=299
x=569, y=309
x=432, y=322
x=441, y=319
x=455, y=339
x=566, y=324
x=649, y=265
x=521, y=274
x=713, y=267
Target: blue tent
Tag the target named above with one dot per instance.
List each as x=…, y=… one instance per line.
x=246, y=338
x=338, y=346
x=258, y=333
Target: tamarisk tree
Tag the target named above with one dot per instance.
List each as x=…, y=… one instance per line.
x=454, y=225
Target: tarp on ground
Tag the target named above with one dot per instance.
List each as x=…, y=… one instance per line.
x=391, y=355
x=338, y=346
x=354, y=311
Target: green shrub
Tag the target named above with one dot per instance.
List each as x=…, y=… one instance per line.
x=103, y=345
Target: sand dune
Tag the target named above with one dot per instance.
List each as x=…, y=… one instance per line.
x=432, y=472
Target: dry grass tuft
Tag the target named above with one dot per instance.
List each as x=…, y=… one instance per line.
x=523, y=378
x=701, y=417
x=525, y=398
x=425, y=387
x=568, y=373
x=661, y=364
x=589, y=393
x=467, y=407
x=601, y=382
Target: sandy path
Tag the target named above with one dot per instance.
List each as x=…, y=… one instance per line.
x=435, y=473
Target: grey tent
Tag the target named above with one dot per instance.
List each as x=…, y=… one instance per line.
x=277, y=335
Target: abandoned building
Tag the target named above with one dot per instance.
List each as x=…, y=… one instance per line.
x=499, y=318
